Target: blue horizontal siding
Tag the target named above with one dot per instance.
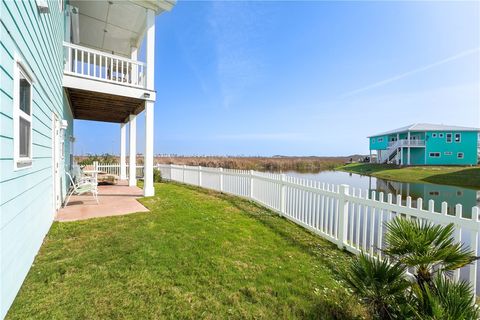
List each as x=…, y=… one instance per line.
x=26, y=203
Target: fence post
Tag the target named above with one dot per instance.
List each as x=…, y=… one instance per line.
x=199, y=176
x=474, y=248
x=221, y=179
x=171, y=171
x=282, y=193
x=251, y=184
x=183, y=173
x=343, y=215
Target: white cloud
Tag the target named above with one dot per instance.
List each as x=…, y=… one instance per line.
x=412, y=72
x=235, y=25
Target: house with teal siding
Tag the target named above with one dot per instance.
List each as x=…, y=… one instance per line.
x=427, y=144
x=60, y=61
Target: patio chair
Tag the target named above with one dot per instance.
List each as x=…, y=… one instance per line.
x=81, y=187
x=80, y=177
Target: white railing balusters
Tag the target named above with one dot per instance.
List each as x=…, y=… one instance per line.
x=111, y=68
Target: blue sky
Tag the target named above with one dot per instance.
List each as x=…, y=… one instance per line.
x=304, y=78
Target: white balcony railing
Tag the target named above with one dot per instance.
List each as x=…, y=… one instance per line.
x=93, y=64
x=406, y=143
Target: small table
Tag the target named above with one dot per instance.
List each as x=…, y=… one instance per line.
x=93, y=173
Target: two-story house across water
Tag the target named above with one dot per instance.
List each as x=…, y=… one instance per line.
x=427, y=144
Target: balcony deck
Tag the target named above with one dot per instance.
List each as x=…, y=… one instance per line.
x=102, y=86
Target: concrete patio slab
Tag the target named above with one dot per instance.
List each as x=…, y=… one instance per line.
x=114, y=200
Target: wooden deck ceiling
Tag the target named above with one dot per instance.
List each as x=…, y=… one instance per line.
x=97, y=106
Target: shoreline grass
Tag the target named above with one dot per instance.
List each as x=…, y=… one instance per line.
x=196, y=254
x=467, y=177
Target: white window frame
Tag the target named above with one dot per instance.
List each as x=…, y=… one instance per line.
x=434, y=154
x=20, y=163
x=459, y=138
x=440, y=135
x=379, y=140
x=446, y=137
x=447, y=153
x=434, y=135
x=460, y=155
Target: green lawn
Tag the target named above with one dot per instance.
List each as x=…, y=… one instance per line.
x=468, y=177
x=197, y=254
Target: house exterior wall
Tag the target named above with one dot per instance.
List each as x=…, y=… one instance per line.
x=26, y=194
x=467, y=145
x=435, y=141
x=417, y=156
x=375, y=144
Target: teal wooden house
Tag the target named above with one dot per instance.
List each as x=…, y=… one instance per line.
x=60, y=61
x=427, y=144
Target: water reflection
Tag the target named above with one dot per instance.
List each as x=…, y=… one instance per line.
x=468, y=198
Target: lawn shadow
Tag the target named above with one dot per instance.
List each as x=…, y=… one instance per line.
x=467, y=178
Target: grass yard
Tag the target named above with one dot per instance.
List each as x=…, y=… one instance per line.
x=197, y=254
x=468, y=177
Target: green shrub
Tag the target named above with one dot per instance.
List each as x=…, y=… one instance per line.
x=157, y=175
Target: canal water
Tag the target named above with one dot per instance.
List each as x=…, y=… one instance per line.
x=468, y=198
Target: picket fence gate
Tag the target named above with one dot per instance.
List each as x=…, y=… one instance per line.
x=351, y=218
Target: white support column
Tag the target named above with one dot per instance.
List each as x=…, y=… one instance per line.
x=123, y=149
x=132, y=177
x=408, y=149
x=148, y=189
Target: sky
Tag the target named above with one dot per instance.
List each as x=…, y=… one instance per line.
x=265, y=78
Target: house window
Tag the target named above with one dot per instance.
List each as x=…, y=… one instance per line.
x=434, y=135
x=380, y=140
x=449, y=138
x=373, y=140
x=458, y=137
x=22, y=117
x=440, y=135
x=434, y=154
x=447, y=153
x=460, y=155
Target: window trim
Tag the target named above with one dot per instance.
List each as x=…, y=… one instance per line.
x=20, y=163
x=459, y=137
x=460, y=153
x=440, y=135
x=446, y=137
x=447, y=153
x=433, y=154
x=379, y=140
x=434, y=135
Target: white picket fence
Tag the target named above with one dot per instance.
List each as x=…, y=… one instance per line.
x=351, y=218
x=113, y=169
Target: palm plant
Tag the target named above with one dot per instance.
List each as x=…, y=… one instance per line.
x=447, y=300
x=380, y=284
x=426, y=247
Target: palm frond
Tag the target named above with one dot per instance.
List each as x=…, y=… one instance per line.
x=425, y=246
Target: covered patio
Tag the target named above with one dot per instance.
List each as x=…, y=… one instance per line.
x=114, y=200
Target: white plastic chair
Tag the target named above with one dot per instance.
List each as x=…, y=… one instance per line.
x=81, y=187
x=80, y=177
